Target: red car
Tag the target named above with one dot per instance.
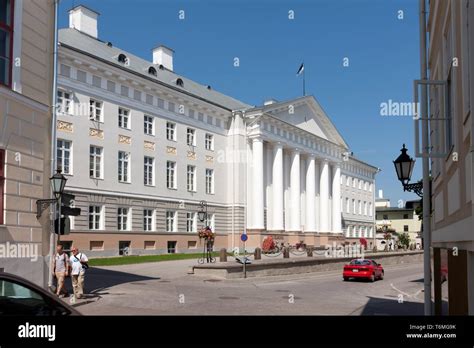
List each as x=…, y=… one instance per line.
x=363, y=268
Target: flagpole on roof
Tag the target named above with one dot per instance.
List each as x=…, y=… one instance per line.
x=304, y=80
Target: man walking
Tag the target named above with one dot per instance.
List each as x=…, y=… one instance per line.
x=60, y=270
x=79, y=265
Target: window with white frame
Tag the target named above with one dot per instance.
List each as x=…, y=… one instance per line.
x=348, y=181
x=95, y=217
x=210, y=181
x=348, y=206
x=191, y=137
x=210, y=221
x=353, y=206
x=360, y=207
x=371, y=232
x=123, y=166
x=171, y=131
x=370, y=209
x=64, y=102
x=123, y=219
x=148, y=171
x=64, y=156
x=209, y=142
x=171, y=175
x=171, y=221
x=365, y=208
x=148, y=125
x=124, y=118
x=191, y=178
x=95, y=162
x=360, y=184
x=366, y=184
x=354, y=182
x=148, y=220
x=95, y=110
x=191, y=222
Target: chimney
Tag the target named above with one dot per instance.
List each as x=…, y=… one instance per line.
x=380, y=193
x=84, y=19
x=163, y=55
x=270, y=101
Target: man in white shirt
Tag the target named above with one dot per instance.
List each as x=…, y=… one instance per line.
x=60, y=270
x=78, y=262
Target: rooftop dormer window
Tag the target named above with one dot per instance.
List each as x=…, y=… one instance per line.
x=161, y=67
x=180, y=83
x=109, y=44
x=122, y=58
x=209, y=87
x=152, y=71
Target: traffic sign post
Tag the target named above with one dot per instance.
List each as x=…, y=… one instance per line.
x=243, y=238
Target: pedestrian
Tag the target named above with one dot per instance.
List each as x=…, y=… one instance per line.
x=60, y=270
x=78, y=262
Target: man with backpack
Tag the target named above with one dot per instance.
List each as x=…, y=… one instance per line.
x=78, y=263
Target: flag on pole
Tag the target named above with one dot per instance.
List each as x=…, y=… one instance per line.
x=300, y=70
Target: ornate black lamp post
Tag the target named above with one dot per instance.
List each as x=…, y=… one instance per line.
x=58, y=182
x=202, y=214
x=404, y=165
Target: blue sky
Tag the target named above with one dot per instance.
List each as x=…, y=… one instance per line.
x=383, y=53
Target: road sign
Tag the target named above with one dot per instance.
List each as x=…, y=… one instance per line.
x=244, y=237
x=70, y=211
x=65, y=225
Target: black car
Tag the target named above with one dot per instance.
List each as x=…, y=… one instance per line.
x=19, y=296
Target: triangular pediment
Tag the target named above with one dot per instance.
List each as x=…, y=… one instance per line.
x=307, y=114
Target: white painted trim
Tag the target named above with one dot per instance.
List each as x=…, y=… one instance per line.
x=17, y=38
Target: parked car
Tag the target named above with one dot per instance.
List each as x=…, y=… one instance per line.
x=19, y=296
x=363, y=268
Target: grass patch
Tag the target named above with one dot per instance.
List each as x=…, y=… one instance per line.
x=133, y=259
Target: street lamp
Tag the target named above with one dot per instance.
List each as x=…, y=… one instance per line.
x=202, y=214
x=404, y=165
x=58, y=182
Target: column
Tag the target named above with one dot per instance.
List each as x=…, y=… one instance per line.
x=324, y=197
x=257, y=180
x=277, y=187
x=317, y=213
x=295, y=191
x=336, y=198
x=310, y=195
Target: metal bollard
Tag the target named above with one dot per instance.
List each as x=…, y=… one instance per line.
x=257, y=254
x=223, y=255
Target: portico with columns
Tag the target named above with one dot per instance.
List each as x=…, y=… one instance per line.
x=294, y=176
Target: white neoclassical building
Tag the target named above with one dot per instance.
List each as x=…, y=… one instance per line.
x=142, y=146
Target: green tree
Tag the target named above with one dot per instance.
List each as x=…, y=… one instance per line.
x=404, y=240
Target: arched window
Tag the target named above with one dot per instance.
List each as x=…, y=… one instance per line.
x=180, y=82
x=152, y=71
x=161, y=67
x=109, y=44
x=122, y=58
x=209, y=87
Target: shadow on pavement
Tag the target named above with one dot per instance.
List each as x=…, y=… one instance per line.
x=98, y=279
x=384, y=306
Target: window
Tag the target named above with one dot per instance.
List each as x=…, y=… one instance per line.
x=171, y=222
x=124, y=118
x=405, y=228
x=191, y=179
x=171, y=175
x=95, y=245
x=63, y=157
x=348, y=206
x=2, y=181
x=385, y=216
x=171, y=131
x=370, y=209
x=360, y=207
x=360, y=184
x=95, y=162
x=95, y=110
x=365, y=208
x=370, y=187
x=191, y=222
x=148, y=218
x=365, y=185
x=353, y=206
x=152, y=71
x=6, y=40
x=122, y=58
x=371, y=232
x=122, y=219
x=180, y=82
x=171, y=247
x=348, y=181
x=148, y=171
x=210, y=221
x=64, y=102
x=405, y=216
x=123, y=166
x=191, y=137
x=95, y=217
x=354, y=182
x=209, y=142
x=148, y=125
x=210, y=181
